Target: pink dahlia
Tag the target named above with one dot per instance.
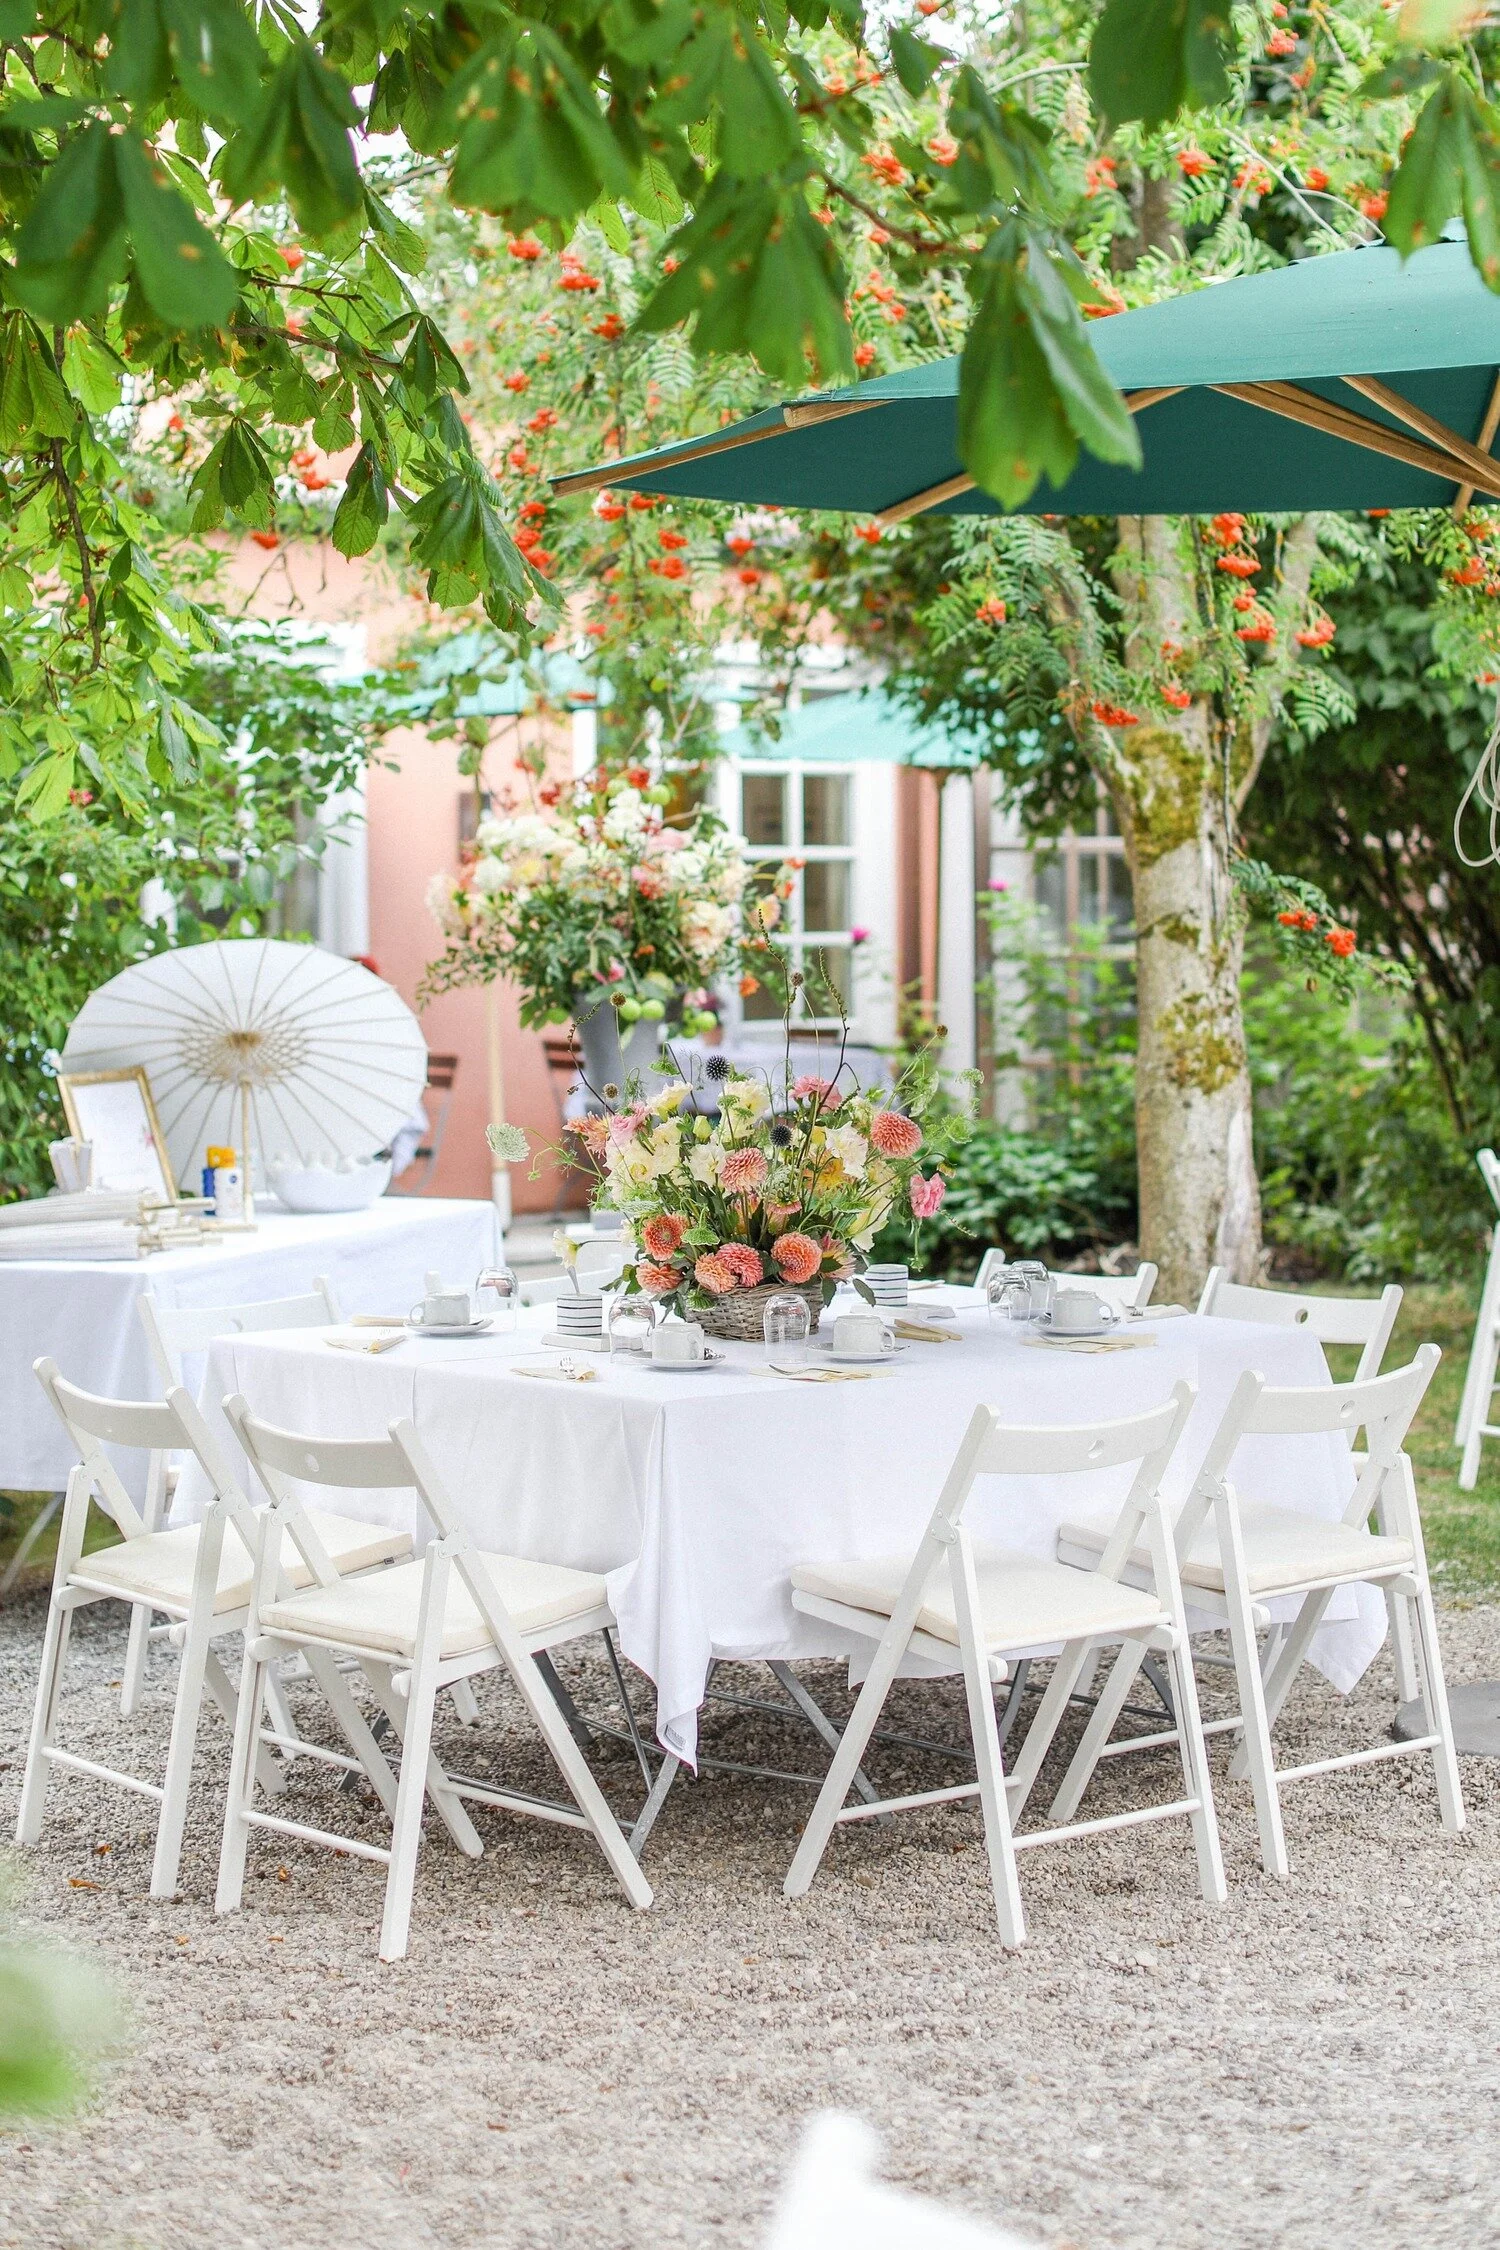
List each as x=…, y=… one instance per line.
x=798, y=1256
x=895, y=1135
x=593, y=1132
x=927, y=1195
x=663, y=1236
x=627, y=1124
x=714, y=1273
x=742, y=1171
x=812, y=1087
x=743, y=1262
x=657, y=1280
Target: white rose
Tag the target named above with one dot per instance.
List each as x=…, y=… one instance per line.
x=703, y=1163
x=850, y=1147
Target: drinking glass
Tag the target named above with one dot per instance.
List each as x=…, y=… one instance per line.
x=1040, y=1284
x=629, y=1323
x=1009, y=1293
x=786, y=1325
x=505, y=1291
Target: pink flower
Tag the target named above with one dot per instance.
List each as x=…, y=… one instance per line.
x=656, y=1280
x=714, y=1273
x=743, y=1262
x=662, y=1236
x=927, y=1195
x=798, y=1256
x=593, y=1132
x=629, y=1122
x=804, y=1089
x=742, y=1171
x=859, y=935
x=649, y=882
x=895, y=1135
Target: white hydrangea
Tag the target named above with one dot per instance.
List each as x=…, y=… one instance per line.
x=626, y=817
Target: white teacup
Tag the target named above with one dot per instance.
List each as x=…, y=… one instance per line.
x=1076, y=1309
x=444, y=1307
x=861, y=1336
x=678, y=1340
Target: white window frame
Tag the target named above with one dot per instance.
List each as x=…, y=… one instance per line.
x=791, y=932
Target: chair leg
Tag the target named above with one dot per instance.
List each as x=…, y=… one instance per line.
x=416, y=1749
x=1475, y=1400
x=989, y=1768
x=446, y=1802
x=1257, y=1733
x=1194, y=1755
x=465, y=1703
x=840, y=1775
x=177, y=1781
x=1435, y=1706
x=1099, y=1729
x=242, y=1770
x=136, y=1647
x=1488, y=1347
x=1279, y=1677
x=1077, y=1659
x=269, y=1772
x=43, y=1726
x=587, y=1795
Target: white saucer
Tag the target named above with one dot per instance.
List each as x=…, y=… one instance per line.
x=1045, y=1327
x=860, y=1359
x=464, y=1328
x=684, y=1366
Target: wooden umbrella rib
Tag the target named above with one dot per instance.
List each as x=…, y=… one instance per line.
x=1484, y=441
x=1471, y=457
x=1314, y=413
x=951, y=487
x=792, y=418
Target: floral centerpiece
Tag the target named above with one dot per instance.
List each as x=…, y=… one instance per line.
x=786, y=1190
x=598, y=899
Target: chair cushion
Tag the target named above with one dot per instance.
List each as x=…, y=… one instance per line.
x=160, y=1566
x=1283, y=1549
x=381, y=1611
x=1025, y=1601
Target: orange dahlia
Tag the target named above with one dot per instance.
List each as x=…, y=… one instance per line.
x=798, y=1256
x=895, y=1135
x=714, y=1273
x=662, y=1236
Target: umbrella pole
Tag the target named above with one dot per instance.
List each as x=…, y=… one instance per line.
x=247, y=1164
x=499, y=1170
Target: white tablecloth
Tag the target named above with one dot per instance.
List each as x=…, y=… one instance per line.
x=697, y=1493
x=84, y=1315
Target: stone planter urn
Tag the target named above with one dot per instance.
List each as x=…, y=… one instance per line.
x=607, y=1059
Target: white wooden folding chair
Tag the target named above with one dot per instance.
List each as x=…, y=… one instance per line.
x=413, y=1631
x=1126, y=1291
x=1367, y=1321
x=1474, y=1424
x=199, y=1576
x=1237, y=1555
x=173, y=1332
x=984, y=1603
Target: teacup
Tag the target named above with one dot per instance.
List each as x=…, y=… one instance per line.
x=1075, y=1309
x=678, y=1340
x=444, y=1306
x=861, y=1336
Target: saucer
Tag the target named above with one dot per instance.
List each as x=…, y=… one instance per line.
x=1046, y=1327
x=859, y=1359
x=685, y=1366
x=459, y=1328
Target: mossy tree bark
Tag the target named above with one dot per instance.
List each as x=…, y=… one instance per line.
x=1177, y=788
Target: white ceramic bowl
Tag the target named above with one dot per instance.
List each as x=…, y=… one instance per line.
x=320, y=1187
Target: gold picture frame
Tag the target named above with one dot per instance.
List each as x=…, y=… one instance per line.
x=130, y=1150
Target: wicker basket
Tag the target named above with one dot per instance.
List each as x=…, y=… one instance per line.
x=740, y=1317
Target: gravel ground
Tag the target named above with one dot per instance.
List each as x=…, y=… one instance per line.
x=1313, y=2064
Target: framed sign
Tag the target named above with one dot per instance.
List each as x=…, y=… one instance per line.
x=113, y=1110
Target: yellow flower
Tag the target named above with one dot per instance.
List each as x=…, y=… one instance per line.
x=670, y=1099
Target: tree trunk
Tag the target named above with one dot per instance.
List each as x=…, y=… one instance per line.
x=1177, y=788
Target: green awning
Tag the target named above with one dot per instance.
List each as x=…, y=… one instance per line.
x=855, y=729
x=1348, y=381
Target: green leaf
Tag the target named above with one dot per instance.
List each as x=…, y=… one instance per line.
x=139, y=66
x=44, y=791
x=71, y=250
x=916, y=61
x=92, y=371
x=364, y=507
x=605, y=215
x=186, y=278
x=758, y=274
x=402, y=244
x=300, y=142
x=1150, y=58
x=333, y=427
x=655, y=196
x=17, y=19
x=1095, y=411
x=1451, y=164
x=428, y=365
x=218, y=58
x=1002, y=150
x=1013, y=426
x=532, y=140
x=1407, y=74
x=725, y=67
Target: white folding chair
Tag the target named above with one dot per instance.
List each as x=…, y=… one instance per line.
x=1124, y=1290
x=1237, y=1555
x=173, y=1332
x=413, y=1630
x=1367, y=1321
x=983, y=1603
x=1474, y=1424
x=198, y=1576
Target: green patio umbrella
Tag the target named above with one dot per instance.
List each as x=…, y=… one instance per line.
x=1346, y=381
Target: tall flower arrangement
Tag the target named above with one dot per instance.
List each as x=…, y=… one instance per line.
x=790, y=1184
x=598, y=895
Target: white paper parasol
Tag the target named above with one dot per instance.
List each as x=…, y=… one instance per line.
x=258, y=1044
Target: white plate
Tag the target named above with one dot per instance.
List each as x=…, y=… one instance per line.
x=467, y=1328
x=684, y=1366
x=860, y=1359
x=1044, y=1327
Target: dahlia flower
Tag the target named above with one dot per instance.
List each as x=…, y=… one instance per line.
x=662, y=1236
x=895, y=1135
x=742, y=1171
x=657, y=1280
x=743, y=1262
x=714, y=1273
x=798, y=1256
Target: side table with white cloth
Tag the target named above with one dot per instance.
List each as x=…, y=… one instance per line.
x=696, y=1494
x=83, y=1314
